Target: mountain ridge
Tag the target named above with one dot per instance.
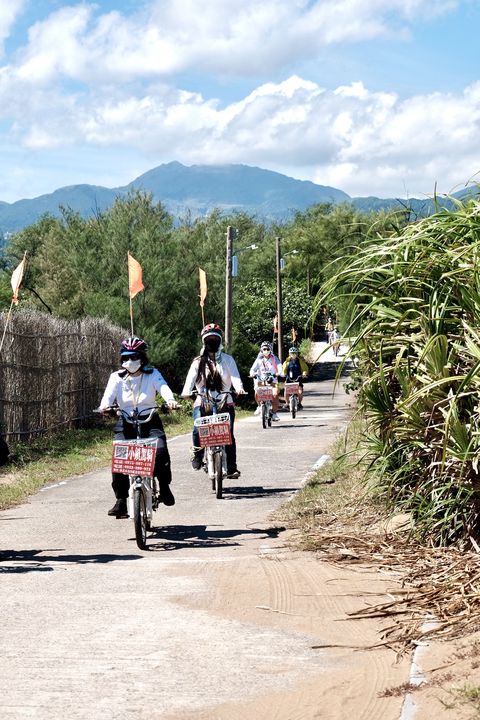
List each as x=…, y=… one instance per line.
x=198, y=189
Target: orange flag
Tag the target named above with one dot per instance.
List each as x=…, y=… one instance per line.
x=203, y=286
x=135, y=284
x=17, y=277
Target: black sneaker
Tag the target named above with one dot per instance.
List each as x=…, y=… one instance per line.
x=166, y=495
x=233, y=474
x=197, y=462
x=300, y=406
x=119, y=510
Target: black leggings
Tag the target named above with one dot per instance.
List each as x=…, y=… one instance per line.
x=153, y=429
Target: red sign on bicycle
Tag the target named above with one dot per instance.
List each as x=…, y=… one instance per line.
x=264, y=393
x=134, y=457
x=291, y=389
x=214, y=430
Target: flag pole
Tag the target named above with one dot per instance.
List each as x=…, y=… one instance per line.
x=135, y=284
x=17, y=277
x=203, y=291
x=130, y=294
x=6, y=325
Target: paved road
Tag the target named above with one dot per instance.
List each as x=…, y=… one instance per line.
x=94, y=628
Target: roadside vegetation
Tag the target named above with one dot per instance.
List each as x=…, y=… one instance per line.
x=413, y=305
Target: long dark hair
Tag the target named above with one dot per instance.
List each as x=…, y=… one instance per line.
x=208, y=373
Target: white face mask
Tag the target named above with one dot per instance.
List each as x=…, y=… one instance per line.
x=132, y=365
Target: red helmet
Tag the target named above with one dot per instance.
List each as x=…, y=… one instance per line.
x=133, y=345
x=212, y=329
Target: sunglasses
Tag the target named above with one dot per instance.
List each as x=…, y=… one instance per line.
x=131, y=356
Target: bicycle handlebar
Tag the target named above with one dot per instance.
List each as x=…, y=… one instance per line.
x=137, y=416
x=208, y=393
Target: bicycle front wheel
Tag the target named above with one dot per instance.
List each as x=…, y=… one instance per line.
x=264, y=415
x=293, y=405
x=218, y=472
x=140, y=518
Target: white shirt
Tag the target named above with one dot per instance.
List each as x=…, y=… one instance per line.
x=264, y=365
x=226, y=368
x=135, y=392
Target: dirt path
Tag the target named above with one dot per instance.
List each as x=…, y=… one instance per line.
x=219, y=619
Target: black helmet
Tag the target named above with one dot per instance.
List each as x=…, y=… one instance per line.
x=133, y=346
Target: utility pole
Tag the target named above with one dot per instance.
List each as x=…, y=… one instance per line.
x=279, y=299
x=228, y=288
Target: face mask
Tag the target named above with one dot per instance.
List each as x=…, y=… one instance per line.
x=212, y=344
x=132, y=365
x=266, y=352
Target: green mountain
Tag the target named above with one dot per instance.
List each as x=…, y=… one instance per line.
x=199, y=189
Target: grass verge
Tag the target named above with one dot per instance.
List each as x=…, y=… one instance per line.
x=337, y=494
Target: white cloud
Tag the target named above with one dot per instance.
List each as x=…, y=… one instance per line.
x=9, y=11
x=361, y=141
x=124, y=95
x=165, y=37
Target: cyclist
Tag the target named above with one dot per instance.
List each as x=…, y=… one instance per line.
x=294, y=367
x=267, y=363
x=217, y=372
x=136, y=386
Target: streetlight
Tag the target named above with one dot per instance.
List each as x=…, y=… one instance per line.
x=235, y=259
x=280, y=264
x=228, y=288
x=282, y=259
x=230, y=272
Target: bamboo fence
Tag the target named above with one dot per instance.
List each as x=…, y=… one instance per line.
x=52, y=372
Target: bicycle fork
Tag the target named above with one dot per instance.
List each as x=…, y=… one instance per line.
x=143, y=485
x=210, y=456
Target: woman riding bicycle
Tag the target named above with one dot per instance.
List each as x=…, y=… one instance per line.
x=216, y=372
x=295, y=367
x=267, y=363
x=135, y=387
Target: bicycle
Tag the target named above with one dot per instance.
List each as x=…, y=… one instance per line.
x=264, y=395
x=136, y=458
x=214, y=433
x=292, y=388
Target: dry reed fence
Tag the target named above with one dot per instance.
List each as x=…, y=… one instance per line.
x=52, y=371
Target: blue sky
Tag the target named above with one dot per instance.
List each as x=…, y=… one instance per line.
x=375, y=97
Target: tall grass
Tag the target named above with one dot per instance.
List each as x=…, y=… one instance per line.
x=414, y=307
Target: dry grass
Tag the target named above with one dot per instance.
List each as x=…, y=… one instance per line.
x=437, y=590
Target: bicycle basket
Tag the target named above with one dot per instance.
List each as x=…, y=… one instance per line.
x=264, y=393
x=134, y=457
x=214, y=430
x=291, y=388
